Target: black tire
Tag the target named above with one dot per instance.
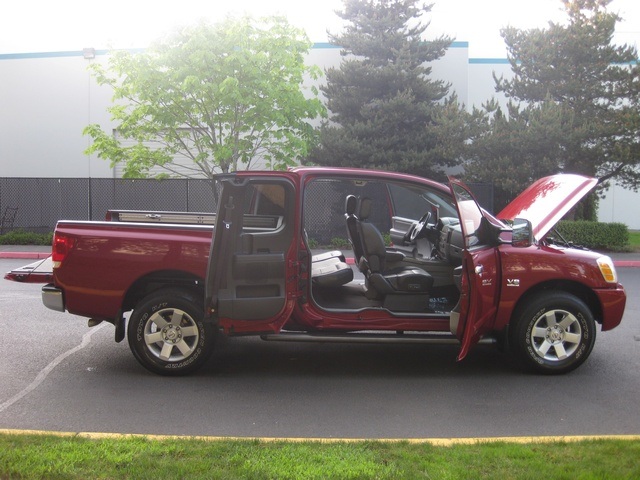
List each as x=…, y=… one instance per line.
x=167, y=335
x=553, y=333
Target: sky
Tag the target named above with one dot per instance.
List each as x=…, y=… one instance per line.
x=28, y=26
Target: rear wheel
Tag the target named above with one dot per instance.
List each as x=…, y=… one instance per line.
x=554, y=333
x=167, y=335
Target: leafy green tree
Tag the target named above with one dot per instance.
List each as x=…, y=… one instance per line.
x=385, y=111
x=573, y=105
x=220, y=97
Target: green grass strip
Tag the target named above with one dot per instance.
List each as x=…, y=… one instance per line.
x=35, y=456
x=634, y=240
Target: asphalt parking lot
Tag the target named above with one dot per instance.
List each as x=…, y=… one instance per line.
x=59, y=375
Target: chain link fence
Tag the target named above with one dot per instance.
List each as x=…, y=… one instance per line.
x=38, y=203
x=326, y=226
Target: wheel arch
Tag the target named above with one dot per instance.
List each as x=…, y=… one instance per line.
x=159, y=280
x=577, y=289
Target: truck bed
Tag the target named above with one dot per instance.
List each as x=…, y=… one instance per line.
x=107, y=260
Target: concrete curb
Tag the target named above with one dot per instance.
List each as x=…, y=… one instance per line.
x=626, y=263
x=442, y=442
x=25, y=255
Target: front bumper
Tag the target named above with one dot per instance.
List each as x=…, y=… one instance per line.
x=613, y=302
x=53, y=298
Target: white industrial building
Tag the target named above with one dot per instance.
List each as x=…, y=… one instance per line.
x=46, y=100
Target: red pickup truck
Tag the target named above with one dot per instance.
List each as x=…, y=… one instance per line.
x=427, y=264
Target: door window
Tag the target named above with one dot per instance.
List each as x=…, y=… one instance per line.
x=470, y=214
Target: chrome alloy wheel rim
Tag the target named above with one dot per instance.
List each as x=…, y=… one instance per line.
x=556, y=335
x=171, y=334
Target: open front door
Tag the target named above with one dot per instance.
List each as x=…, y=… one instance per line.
x=248, y=275
x=479, y=290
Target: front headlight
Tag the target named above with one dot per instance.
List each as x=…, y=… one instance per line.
x=607, y=269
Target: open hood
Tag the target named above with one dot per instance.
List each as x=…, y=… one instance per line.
x=548, y=200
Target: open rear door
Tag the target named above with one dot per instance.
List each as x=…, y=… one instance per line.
x=249, y=274
x=480, y=276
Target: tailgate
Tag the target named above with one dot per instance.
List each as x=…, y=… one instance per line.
x=36, y=272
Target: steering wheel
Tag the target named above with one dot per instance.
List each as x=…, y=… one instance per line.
x=419, y=227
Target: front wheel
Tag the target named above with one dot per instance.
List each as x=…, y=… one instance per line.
x=554, y=333
x=167, y=335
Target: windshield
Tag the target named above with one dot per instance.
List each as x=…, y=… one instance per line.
x=412, y=201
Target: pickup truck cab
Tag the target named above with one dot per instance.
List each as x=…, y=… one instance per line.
x=426, y=264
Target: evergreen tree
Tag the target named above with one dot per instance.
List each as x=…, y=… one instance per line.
x=514, y=148
x=574, y=104
x=385, y=112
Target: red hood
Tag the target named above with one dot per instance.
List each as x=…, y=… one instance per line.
x=548, y=200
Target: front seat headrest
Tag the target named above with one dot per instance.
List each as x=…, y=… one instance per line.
x=365, y=208
x=350, y=205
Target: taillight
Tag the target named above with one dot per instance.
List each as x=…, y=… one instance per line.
x=61, y=245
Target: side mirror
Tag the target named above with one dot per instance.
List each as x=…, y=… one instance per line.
x=522, y=234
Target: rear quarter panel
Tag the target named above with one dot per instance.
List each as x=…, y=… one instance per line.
x=108, y=258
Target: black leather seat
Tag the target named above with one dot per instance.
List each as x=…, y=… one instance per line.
x=402, y=288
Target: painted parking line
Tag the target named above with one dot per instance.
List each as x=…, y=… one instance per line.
x=44, y=373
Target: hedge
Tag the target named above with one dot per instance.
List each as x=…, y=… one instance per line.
x=20, y=237
x=595, y=235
